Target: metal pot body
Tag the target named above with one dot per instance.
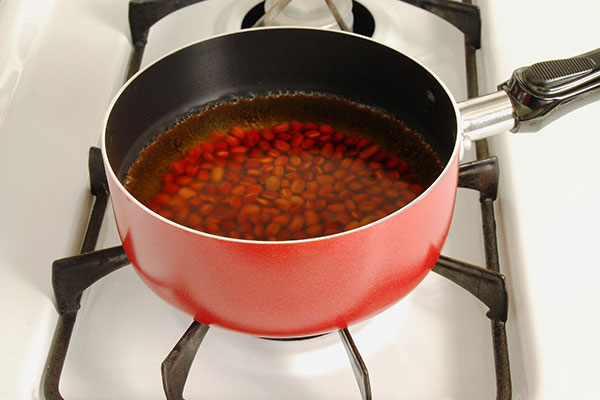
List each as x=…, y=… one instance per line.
x=291, y=288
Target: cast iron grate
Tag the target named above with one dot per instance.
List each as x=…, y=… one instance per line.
x=72, y=275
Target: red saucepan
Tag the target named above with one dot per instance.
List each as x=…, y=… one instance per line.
x=305, y=287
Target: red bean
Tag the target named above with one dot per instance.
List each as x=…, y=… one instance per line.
x=168, y=177
x=308, y=144
x=278, y=171
x=281, y=145
x=282, y=219
x=171, y=188
x=339, y=186
x=263, y=145
x=281, y=128
x=325, y=179
x=296, y=161
x=207, y=147
x=254, y=188
x=178, y=168
x=324, y=138
x=338, y=137
x=327, y=150
x=296, y=223
x=195, y=152
x=281, y=160
x=216, y=136
x=274, y=152
x=250, y=209
x=402, y=167
x=238, y=132
x=217, y=174
x=238, y=150
x=363, y=143
x=297, y=140
x=192, y=170
x=272, y=183
x=416, y=188
x=225, y=188
x=254, y=172
x=283, y=204
x=253, y=136
x=235, y=202
x=312, y=134
x=293, y=175
x=267, y=134
x=285, y=193
x=368, y=152
x=284, y=136
x=162, y=199
x=408, y=196
x=183, y=180
x=314, y=230
x=351, y=140
x=335, y=207
x=326, y=129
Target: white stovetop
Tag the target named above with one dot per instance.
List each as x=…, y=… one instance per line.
x=55, y=84
x=548, y=206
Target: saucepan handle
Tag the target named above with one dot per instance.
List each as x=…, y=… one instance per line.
x=547, y=90
x=534, y=96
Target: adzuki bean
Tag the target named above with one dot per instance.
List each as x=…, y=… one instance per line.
x=290, y=181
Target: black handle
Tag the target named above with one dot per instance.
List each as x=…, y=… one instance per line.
x=547, y=90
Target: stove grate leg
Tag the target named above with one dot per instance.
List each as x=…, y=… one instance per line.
x=176, y=367
x=358, y=365
x=70, y=278
x=487, y=285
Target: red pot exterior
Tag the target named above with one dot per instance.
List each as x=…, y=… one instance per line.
x=293, y=288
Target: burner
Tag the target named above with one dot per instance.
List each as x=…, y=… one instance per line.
x=364, y=23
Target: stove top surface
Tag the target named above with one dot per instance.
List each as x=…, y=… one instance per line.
x=55, y=86
x=547, y=206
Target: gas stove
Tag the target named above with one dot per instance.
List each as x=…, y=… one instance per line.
x=62, y=64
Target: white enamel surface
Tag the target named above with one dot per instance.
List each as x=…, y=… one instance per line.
x=53, y=104
x=54, y=86
x=548, y=206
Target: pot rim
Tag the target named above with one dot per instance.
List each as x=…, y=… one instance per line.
x=112, y=176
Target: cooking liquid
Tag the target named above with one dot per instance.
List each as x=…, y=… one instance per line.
x=288, y=181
